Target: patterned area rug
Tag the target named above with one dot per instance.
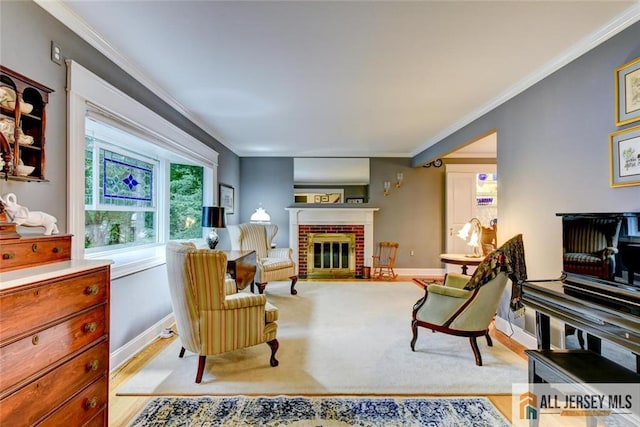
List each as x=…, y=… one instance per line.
x=319, y=412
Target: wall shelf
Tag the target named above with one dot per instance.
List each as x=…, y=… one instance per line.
x=24, y=125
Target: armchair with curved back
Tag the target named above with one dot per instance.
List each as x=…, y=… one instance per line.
x=211, y=317
x=273, y=263
x=465, y=306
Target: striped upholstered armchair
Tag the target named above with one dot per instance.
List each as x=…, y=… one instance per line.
x=211, y=317
x=273, y=263
x=590, y=246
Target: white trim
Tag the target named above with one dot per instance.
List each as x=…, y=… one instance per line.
x=59, y=10
x=330, y=215
x=129, y=350
x=85, y=87
x=136, y=259
x=63, y=13
x=91, y=88
x=617, y=25
x=515, y=332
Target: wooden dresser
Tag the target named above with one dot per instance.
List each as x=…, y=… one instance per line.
x=54, y=343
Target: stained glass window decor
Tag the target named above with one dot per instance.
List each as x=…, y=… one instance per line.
x=125, y=178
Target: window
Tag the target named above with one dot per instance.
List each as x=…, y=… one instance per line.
x=145, y=181
x=185, y=204
x=120, y=194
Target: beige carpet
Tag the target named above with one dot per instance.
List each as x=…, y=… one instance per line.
x=340, y=338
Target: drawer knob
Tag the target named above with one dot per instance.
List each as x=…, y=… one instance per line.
x=57, y=250
x=93, y=365
x=35, y=340
x=90, y=327
x=92, y=290
x=34, y=247
x=91, y=403
x=9, y=255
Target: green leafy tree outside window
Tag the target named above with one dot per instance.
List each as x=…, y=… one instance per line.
x=185, y=204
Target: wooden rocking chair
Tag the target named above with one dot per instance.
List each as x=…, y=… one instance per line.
x=384, y=260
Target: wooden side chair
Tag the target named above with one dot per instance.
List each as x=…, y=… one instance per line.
x=384, y=260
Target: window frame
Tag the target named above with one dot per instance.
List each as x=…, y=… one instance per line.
x=88, y=92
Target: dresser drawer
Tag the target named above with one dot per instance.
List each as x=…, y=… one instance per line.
x=31, y=354
x=30, y=251
x=99, y=420
x=83, y=408
x=47, y=302
x=29, y=404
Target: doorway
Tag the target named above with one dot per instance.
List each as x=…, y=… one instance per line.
x=471, y=190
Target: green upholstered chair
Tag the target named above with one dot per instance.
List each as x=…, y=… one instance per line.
x=273, y=263
x=465, y=306
x=211, y=317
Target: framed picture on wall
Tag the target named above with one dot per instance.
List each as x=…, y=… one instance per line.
x=226, y=197
x=624, y=150
x=627, y=79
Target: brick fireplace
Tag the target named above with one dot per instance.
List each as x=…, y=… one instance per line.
x=305, y=248
x=331, y=220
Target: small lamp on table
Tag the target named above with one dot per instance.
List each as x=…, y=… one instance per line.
x=213, y=217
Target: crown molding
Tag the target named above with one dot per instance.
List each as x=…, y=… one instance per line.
x=630, y=17
x=63, y=13
x=59, y=10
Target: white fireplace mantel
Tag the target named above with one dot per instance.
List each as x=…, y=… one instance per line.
x=332, y=216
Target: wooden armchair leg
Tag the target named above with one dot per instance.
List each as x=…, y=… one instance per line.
x=476, y=350
x=181, y=355
x=201, y=362
x=274, y=347
x=414, y=330
x=294, y=280
x=488, y=337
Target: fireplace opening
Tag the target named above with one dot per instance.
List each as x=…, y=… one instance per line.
x=331, y=255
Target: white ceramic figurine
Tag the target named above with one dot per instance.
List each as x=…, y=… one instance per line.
x=21, y=215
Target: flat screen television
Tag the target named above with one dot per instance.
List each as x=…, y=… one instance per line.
x=601, y=257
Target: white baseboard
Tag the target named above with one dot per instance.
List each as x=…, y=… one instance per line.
x=516, y=333
x=130, y=349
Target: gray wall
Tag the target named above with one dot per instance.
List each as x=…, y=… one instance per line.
x=553, y=151
x=552, y=157
x=268, y=181
x=412, y=215
x=26, y=30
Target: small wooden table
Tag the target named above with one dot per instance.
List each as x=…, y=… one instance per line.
x=461, y=259
x=241, y=265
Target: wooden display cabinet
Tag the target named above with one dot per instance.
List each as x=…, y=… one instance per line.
x=32, y=124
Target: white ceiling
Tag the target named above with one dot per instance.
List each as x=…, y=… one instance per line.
x=338, y=78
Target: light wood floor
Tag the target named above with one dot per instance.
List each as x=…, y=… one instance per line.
x=123, y=409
